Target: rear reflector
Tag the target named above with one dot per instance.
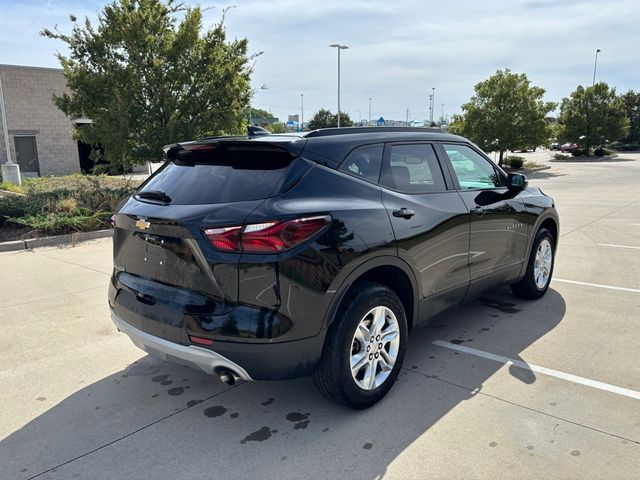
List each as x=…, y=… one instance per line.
x=200, y=340
x=269, y=237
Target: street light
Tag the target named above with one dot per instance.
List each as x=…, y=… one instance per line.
x=339, y=47
x=595, y=65
x=369, y=119
x=302, y=112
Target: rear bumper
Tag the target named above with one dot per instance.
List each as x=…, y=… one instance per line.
x=250, y=361
x=191, y=356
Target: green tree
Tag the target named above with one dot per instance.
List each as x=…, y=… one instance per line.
x=506, y=113
x=147, y=74
x=593, y=115
x=631, y=101
x=325, y=119
x=277, y=127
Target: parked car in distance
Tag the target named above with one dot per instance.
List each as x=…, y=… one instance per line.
x=569, y=147
x=554, y=146
x=268, y=257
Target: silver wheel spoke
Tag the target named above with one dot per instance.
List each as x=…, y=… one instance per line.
x=378, y=320
x=388, y=335
x=357, y=362
x=370, y=377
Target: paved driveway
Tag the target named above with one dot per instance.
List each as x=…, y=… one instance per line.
x=499, y=388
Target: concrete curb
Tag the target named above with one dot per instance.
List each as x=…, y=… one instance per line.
x=70, y=238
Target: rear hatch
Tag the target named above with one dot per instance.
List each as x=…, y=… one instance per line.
x=163, y=262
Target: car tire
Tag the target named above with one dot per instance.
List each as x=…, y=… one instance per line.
x=537, y=278
x=374, y=311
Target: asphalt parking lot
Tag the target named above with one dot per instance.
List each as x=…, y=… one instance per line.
x=499, y=388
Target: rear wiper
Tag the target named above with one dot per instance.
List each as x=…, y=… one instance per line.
x=155, y=195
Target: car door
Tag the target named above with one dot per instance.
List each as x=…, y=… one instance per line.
x=498, y=224
x=430, y=223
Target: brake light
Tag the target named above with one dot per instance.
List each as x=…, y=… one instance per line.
x=268, y=237
x=225, y=238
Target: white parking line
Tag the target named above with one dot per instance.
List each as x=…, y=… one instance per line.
x=597, y=285
x=617, y=246
x=546, y=371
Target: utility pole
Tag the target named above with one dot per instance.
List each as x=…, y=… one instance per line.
x=595, y=66
x=369, y=119
x=339, y=47
x=407, y=118
x=433, y=102
x=430, y=108
x=302, y=112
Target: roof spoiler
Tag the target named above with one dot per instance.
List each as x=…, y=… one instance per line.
x=254, y=131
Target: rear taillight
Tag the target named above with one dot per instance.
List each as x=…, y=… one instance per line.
x=268, y=237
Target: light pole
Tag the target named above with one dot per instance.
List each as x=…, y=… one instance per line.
x=339, y=47
x=433, y=102
x=302, y=112
x=595, y=65
x=369, y=119
x=430, y=108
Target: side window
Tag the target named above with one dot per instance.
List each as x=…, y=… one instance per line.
x=412, y=168
x=472, y=169
x=364, y=162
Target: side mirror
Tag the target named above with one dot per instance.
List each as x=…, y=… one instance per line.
x=517, y=182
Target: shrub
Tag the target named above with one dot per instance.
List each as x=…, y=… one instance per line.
x=579, y=152
x=514, y=161
x=560, y=156
x=625, y=147
x=58, y=205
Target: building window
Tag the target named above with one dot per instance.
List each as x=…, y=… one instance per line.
x=27, y=155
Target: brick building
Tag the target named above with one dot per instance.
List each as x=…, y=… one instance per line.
x=40, y=135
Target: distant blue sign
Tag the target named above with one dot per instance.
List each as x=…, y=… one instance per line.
x=380, y=122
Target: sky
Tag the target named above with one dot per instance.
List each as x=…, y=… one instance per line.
x=398, y=49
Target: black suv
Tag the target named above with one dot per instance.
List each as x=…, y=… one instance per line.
x=267, y=257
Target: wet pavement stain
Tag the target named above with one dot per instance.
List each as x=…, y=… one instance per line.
x=191, y=403
x=529, y=447
x=155, y=395
x=493, y=444
x=301, y=425
x=326, y=429
x=431, y=357
x=268, y=402
x=41, y=399
x=494, y=315
x=259, y=436
x=414, y=367
x=485, y=329
x=296, y=416
x=159, y=378
x=174, y=392
x=166, y=382
x=504, y=307
x=367, y=446
x=283, y=458
x=457, y=341
x=575, y=453
x=215, y=411
x=234, y=415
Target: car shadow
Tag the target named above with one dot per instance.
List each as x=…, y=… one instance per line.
x=156, y=420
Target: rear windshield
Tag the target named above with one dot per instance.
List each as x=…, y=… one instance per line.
x=230, y=177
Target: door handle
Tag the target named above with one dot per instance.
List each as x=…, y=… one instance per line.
x=479, y=211
x=404, y=213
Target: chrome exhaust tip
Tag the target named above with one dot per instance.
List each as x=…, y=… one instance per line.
x=228, y=377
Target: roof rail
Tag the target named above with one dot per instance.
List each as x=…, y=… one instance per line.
x=327, y=132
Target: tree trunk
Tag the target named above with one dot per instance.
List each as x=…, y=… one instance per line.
x=500, y=159
x=588, y=148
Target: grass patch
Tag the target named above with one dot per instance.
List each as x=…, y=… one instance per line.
x=59, y=205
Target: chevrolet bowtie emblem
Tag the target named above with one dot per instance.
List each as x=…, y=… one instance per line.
x=142, y=224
